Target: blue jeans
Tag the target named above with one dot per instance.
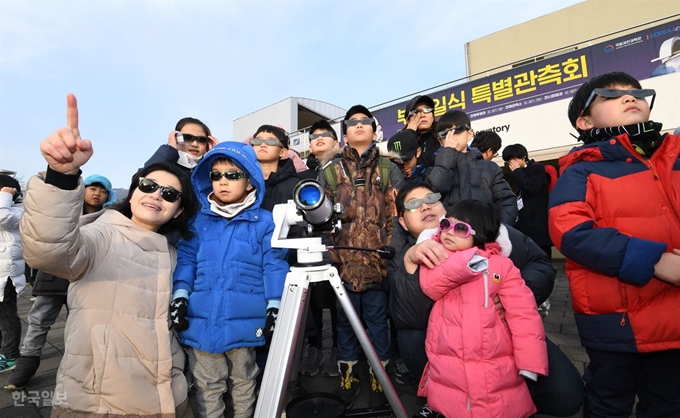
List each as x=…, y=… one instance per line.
x=371, y=306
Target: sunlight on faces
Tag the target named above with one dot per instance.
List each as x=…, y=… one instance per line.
x=149, y=210
x=619, y=111
x=359, y=135
x=269, y=153
x=227, y=191
x=454, y=243
x=425, y=217
x=195, y=148
x=95, y=196
x=426, y=119
x=321, y=144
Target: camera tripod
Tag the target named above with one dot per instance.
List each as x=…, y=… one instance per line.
x=282, y=359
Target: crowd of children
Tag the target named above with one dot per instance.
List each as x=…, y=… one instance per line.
x=191, y=245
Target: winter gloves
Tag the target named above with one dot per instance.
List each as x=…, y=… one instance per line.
x=272, y=314
x=178, y=314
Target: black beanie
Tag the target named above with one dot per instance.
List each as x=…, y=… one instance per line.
x=353, y=111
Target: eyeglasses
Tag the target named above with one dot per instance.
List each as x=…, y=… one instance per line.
x=355, y=122
x=216, y=175
x=460, y=229
x=456, y=130
x=614, y=93
x=415, y=204
x=269, y=141
x=191, y=138
x=326, y=134
x=422, y=110
x=169, y=194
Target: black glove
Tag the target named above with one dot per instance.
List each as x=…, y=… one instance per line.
x=178, y=314
x=272, y=314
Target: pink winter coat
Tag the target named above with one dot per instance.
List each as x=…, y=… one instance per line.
x=474, y=356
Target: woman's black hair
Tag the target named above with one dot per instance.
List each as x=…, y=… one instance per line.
x=188, y=200
x=9, y=181
x=189, y=120
x=485, y=219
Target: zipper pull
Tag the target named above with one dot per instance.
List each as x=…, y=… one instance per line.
x=623, y=320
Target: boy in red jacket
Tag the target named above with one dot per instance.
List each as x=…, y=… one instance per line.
x=615, y=215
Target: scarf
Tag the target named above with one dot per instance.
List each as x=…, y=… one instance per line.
x=187, y=161
x=645, y=136
x=230, y=210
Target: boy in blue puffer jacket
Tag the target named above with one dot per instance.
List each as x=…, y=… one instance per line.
x=228, y=281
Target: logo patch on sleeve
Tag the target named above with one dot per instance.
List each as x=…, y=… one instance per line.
x=258, y=333
x=496, y=278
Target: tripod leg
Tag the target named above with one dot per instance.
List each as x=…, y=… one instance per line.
x=282, y=352
x=371, y=355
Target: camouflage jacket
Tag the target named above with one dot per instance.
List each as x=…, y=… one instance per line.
x=367, y=218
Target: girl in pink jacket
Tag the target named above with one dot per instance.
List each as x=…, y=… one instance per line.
x=477, y=360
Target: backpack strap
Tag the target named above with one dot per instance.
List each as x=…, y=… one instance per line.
x=330, y=176
x=385, y=172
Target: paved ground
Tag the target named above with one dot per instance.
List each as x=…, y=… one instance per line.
x=35, y=400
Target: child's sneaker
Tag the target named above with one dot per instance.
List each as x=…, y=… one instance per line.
x=330, y=368
x=310, y=365
x=401, y=373
x=426, y=412
x=7, y=364
x=349, y=384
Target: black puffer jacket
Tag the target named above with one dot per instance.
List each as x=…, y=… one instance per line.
x=280, y=184
x=459, y=176
x=49, y=285
x=532, y=186
x=408, y=306
x=428, y=142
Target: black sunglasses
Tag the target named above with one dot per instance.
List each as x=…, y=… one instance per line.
x=457, y=130
x=191, y=138
x=355, y=122
x=216, y=175
x=169, y=194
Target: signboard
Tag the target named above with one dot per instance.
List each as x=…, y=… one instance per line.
x=648, y=53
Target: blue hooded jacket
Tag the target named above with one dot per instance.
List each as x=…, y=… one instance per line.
x=229, y=267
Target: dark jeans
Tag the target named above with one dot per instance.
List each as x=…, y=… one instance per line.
x=613, y=380
x=10, y=324
x=412, y=349
x=559, y=394
x=323, y=297
x=371, y=306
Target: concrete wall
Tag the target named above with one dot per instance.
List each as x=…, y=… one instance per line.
x=574, y=24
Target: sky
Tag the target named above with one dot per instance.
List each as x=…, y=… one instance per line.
x=137, y=67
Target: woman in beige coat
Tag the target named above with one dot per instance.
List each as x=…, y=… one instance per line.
x=120, y=357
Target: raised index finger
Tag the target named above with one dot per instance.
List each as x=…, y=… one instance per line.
x=72, y=114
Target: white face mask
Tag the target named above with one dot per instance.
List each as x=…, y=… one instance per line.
x=186, y=160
